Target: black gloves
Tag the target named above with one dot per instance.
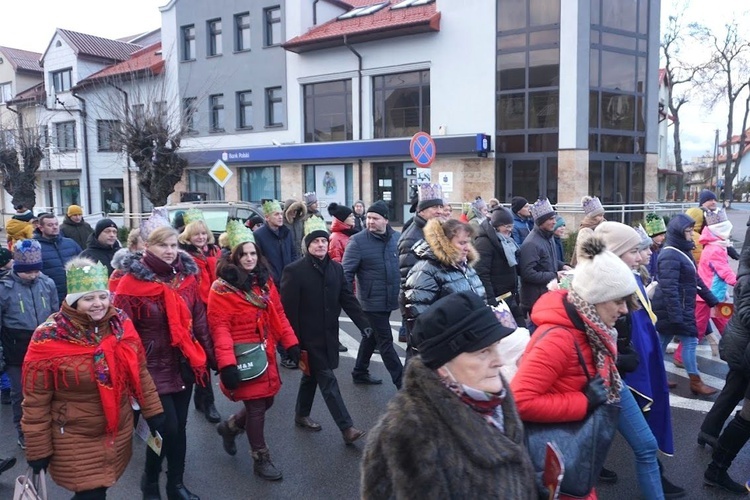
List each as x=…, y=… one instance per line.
x=230, y=377
x=367, y=333
x=157, y=423
x=595, y=392
x=294, y=353
x=39, y=464
x=627, y=357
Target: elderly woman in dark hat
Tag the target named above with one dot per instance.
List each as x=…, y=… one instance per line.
x=453, y=430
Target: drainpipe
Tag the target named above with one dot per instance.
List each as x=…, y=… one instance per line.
x=127, y=156
x=85, y=150
x=359, y=107
x=315, y=12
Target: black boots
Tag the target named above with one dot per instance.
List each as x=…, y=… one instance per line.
x=731, y=441
x=150, y=489
x=707, y=439
x=670, y=490
x=264, y=467
x=204, y=403
x=228, y=430
x=178, y=491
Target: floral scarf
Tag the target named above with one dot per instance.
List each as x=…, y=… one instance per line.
x=69, y=340
x=603, y=343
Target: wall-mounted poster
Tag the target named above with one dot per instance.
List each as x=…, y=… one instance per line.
x=330, y=186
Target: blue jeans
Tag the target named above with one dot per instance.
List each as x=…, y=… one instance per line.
x=689, y=344
x=633, y=427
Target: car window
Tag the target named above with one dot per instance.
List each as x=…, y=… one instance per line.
x=216, y=219
x=243, y=213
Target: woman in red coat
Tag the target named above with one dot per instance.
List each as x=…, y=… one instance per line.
x=244, y=307
x=342, y=229
x=551, y=385
x=198, y=242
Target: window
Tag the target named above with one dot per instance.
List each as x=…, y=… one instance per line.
x=367, y=10
x=66, y=136
x=273, y=26
x=214, y=37
x=245, y=109
x=274, y=107
x=62, y=80
x=113, y=196
x=242, y=32
x=70, y=193
x=411, y=3
x=328, y=111
x=6, y=93
x=188, y=42
x=200, y=182
x=106, y=132
x=216, y=103
x=259, y=183
x=402, y=104
x=188, y=112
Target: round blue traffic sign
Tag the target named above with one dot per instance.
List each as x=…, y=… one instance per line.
x=422, y=149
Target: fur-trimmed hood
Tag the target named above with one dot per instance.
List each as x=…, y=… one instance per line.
x=123, y=258
x=437, y=246
x=294, y=211
x=132, y=264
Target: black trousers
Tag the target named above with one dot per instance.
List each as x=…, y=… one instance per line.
x=95, y=494
x=382, y=338
x=329, y=388
x=174, y=445
x=204, y=394
x=736, y=388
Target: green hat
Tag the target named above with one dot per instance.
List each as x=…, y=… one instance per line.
x=84, y=276
x=655, y=225
x=271, y=206
x=315, y=227
x=192, y=215
x=238, y=233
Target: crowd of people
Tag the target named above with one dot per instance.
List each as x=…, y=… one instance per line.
x=508, y=338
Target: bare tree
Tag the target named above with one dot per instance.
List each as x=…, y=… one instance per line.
x=724, y=79
x=679, y=76
x=150, y=126
x=21, y=155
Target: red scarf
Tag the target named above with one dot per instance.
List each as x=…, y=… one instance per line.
x=179, y=319
x=206, y=262
x=110, y=351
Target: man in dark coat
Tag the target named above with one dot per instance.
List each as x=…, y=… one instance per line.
x=523, y=222
x=371, y=257
x=57, y=250
x=74, y=227
x=537, y=259
x=275, y=241
x=313, y=292
x=103, y=243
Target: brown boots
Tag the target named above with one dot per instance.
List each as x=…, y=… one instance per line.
x=698, y=388
x=264, y=467
x=228, y=430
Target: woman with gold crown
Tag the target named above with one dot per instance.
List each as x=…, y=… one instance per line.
x=247, y=321
x=81, y=365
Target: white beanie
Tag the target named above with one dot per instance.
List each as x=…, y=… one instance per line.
x=618, y=237
x=721, y=230
x=600, y=275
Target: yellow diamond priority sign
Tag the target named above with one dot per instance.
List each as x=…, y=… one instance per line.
x=220, y=173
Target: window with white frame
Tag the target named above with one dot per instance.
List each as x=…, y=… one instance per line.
x=65, y=136
x=6, y=92
x=106, y=132
x=62, y=80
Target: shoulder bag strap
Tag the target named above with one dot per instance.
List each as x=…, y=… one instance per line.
x=575, y=343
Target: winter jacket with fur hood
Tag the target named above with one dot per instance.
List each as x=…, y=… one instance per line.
x=437, y=273
x=148, y=313
x=429, y=444
x=294, y=219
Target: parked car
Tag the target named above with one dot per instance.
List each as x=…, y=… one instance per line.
x=217, y=213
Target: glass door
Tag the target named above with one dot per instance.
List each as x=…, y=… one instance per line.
x=531, y=178
x=389, y=187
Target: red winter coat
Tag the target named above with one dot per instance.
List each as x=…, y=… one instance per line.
x=549, y=384
x=340, y=234
x=234, y=320
x=207, y=267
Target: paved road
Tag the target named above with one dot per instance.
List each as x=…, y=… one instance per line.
x=320, y=466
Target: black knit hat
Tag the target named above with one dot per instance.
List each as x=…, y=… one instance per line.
x=380, y=208
x=341, y=212
x=5, y=256
x=457, y=323
x=501, y=216
x=102, y=225
x=517, y=203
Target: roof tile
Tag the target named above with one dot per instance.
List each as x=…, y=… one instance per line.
x=23, y=60
x=148, y=59
x=94, y=46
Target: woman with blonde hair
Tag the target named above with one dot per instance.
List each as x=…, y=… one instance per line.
x=160, y=293
x=81, y=365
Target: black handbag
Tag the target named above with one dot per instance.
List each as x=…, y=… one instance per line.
x=583, y=445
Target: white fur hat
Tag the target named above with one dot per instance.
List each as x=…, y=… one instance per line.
x=600, y=275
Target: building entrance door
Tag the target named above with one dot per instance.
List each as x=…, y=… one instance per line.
x=388, y=186
x=531, y=178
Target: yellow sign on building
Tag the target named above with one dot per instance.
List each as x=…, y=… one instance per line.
x=220, y=173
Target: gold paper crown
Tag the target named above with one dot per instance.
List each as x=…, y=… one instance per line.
x=193, y=215
x=89, y=278
x=238, y=233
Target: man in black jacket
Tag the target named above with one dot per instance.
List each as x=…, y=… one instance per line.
x=103, y=243
x=313, y=292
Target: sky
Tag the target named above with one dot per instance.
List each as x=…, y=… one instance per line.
x=30, y=24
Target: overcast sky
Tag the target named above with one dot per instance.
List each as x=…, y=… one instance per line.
x=30, y=24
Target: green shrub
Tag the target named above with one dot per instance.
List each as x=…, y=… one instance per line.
x=122, y=235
